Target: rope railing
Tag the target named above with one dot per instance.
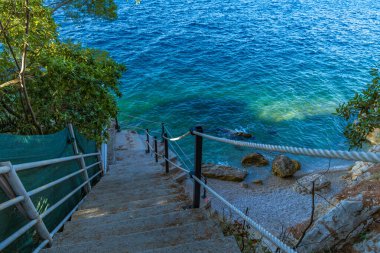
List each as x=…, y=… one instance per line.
x=196, y=173
x=346, y=155
x=179, y=137
x=179, y=147
x=255, y=225
x=162, y=156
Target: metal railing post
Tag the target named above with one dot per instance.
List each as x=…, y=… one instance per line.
x=100, y=159
x=166, y=152
x=27, y=204
x=197, y=167
x=147, y=141
x=204, y=189
x=81, y=160
x=155, y=149
x=162, y=132
x=117, y=126
x=104, y=153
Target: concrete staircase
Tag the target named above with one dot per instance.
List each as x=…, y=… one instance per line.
x=136, y=207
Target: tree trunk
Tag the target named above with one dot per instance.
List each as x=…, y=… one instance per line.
x=22, y=71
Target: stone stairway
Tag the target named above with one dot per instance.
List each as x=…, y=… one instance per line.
x=136, y=207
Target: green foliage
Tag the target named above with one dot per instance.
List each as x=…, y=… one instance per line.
x=362, y=112
x=66, y=83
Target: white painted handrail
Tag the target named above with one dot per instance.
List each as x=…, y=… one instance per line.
x=32, y=165
x=38, y=220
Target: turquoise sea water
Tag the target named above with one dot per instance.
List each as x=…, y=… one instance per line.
x=277, y=69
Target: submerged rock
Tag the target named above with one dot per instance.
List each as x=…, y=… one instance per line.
x=255, y=159
x=305, y=184
x=283, y=166
x=243, y=134
x=223, y=172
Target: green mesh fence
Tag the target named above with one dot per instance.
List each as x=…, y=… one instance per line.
x=22, y=149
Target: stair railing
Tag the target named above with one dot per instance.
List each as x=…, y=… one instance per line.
x=19, y=196
x=196, y=174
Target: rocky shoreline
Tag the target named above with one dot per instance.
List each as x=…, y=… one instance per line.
x=346, y=206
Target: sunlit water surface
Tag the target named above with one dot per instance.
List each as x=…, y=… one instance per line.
x=277, y=69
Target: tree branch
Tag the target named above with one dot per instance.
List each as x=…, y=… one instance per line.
x=311, y=216
x=9, y=45
x=9, y=109
x=9, y=83
x=60, y=5
x=23, y=67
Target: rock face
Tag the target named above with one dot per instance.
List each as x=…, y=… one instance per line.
x=223, y=172
x=255, y=159
x=305, y=184
x=360, y=170
x=337, y=226
x=283, y=166
x=371, y=244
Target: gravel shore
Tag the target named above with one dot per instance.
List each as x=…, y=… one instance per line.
x=274, y=204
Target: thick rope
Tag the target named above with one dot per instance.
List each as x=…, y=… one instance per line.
x=258, y=227
x=347, y=155
x=178, y=138
x=179, y=147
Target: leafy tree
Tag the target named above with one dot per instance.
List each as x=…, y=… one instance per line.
x=362, y=112
x=47, y=84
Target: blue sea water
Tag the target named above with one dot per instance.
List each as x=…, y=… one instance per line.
x=274, y=68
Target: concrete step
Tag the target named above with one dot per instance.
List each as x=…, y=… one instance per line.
x=219, y=245
x=117, y=206
x=128, y=188
x=78, y=232
x=137, y=242
x=132, y=177
x=94, y=199
x=116, y=183
x=106, y=217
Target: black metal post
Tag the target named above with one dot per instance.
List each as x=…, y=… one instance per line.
x=147, y=141
x=155, y=149
x=204, y=189
x=198, y=167
x=166, y=152
x=117, y=126
x=162, y=132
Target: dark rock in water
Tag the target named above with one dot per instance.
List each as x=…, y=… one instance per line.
x=283, y=166
x=223, y=172
x=243, y=134
x=272, y=132
x=232, y=134
x=255, y=159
